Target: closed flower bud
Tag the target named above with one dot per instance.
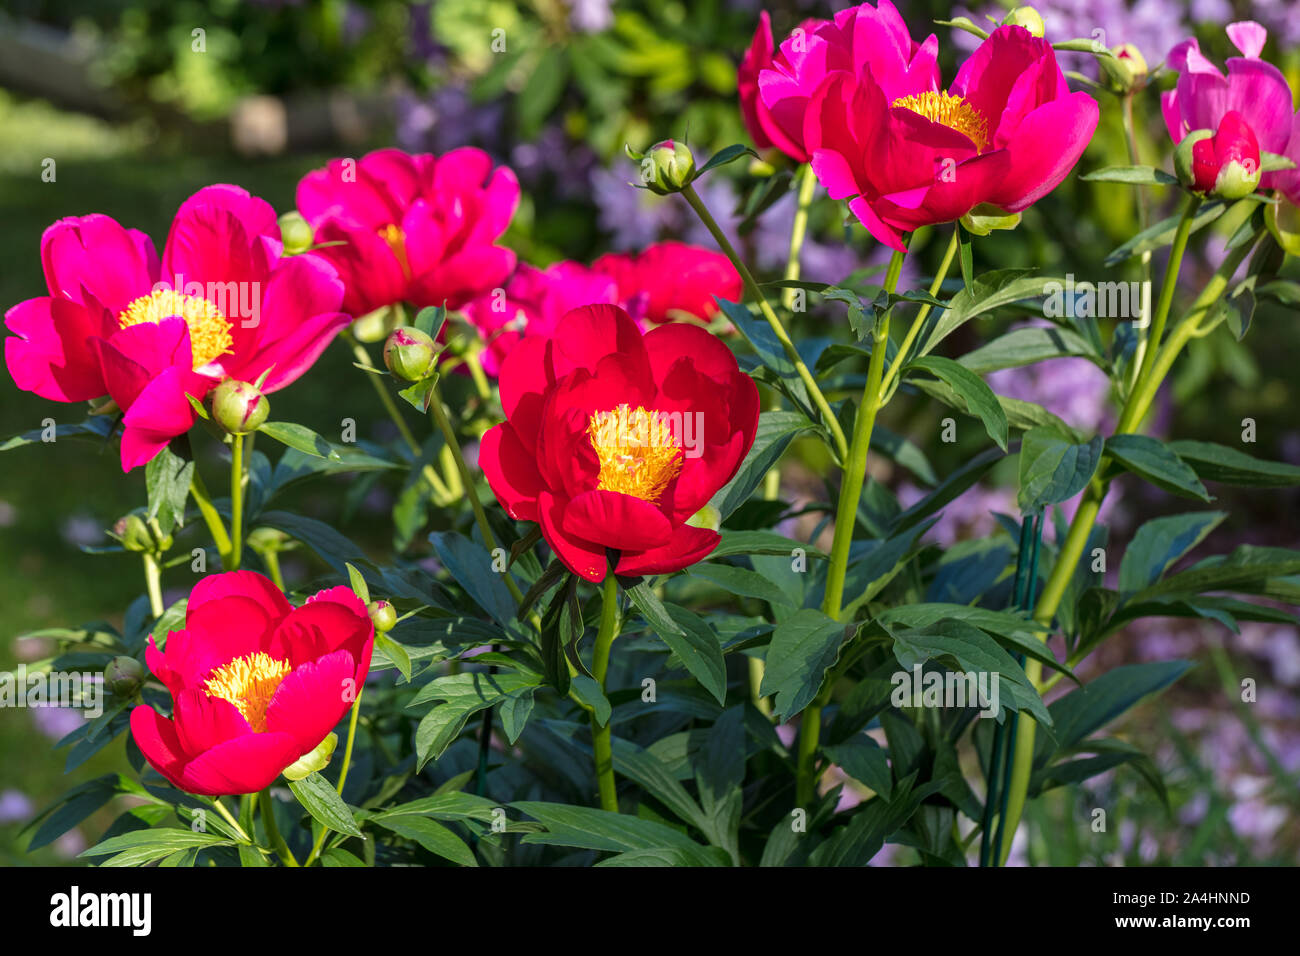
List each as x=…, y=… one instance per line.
x=295, y=233
x=239, y=407
x=1026, y=17
x=134, y=534
x=383, y=615
x=124, y=676
x=1129, y=68
x=668, y=167
x=410, y=354
x=1183, y=156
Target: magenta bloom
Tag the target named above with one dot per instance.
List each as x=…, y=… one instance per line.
x=762, y=55
x=220, y=303
x=672, y=280
x=255, y=682
x=1231, y=154
x=1254, y=89
x=881, y=133
x=412, y=228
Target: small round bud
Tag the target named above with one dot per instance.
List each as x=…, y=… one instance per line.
x=134, y=534
x=295, y=233
x=1183, y=158
x=269, y=539
x=410, y=354
x=124, y=676
x=383, y=615
x=239, y=407
x=1026, y=17
x=668, y=167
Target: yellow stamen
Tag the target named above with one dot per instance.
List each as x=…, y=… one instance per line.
x=249, y=682
x=637, y=451
x=950, y=111
x=209, y=330
x=396, y=239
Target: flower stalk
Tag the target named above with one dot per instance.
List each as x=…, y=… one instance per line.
x=602, y=737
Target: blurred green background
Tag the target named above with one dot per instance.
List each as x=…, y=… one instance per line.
x=140, y=103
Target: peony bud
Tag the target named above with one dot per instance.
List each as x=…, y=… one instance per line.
x=1026, y=17
x=295, y=233
x=1225, y=163
x=124, y=676
x=383, y=615
x=1128, y=70
x=133, y=533
x=410, y=354
x=667, y=167
x=239, y=407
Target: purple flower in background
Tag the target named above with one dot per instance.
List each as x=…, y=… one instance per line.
x=56, y=722
x=1073, y=389
x=591, y=16
x=14, y=806
x=445, y=119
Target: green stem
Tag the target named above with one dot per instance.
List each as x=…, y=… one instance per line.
x=221, y=809
x=267, y=806
x=216, y=527
x=895, y=370
x=1140, y=200
x=467, y=481
x=271, y=558
x=798, y=231
x=846, y=510
x=751, y=285
x=602, y=737
x=236, y=501
x=1160, y=362
x=343, y=773
x=153, y=583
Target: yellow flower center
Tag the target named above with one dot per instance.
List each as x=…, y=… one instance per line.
x=209, y=329
x=396, y=240
x=950, y=111
x=637, y=451
x=249, y=682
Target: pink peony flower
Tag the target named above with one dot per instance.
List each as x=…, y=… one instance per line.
x=412, y=228
x=863, y=101
x=762, y=55
x=220, y=303
x=1254, y=89
x=672, y=280
x=256, y=683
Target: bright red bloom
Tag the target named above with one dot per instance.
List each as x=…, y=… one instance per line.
x=221, y=303
x=533, y=302
x=255, y=682
x=614, y=439
x=412, y=228
x=1230, y=156
x=672, y=280
x=865, y=102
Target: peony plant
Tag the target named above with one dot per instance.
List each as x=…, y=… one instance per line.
x=635, y=635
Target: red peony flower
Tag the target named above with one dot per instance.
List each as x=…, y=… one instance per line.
x=672, y=280
x=255, y=682
x=862, y=101
x=221, y=304
x=614, y=439
x=418, y=229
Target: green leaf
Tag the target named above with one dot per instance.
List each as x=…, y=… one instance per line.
x=429, y=320
x=1248, y=569
x=804, y=647
x=420, y=395
x=318, y=797
x=770, y=351
x=979, y=398
x=1159, y=543
x=433, y=836
x=724, y=156
x=95, y=429
x=167, y=481
x=1054, y=469
x=471, y=565
x=865, y=761
x=985, y=293
x=650, y=773
x=144, y=846
x=966, y=256
x=1009, y=629
x=358, y=583
x=775, y=432
x=458, y=697
x=593, y=829
x=1213, y=462
x=1136, y=175
x=1273, y=162
x=301, y=438
x=1157, y=463
x=588, y=690
x=1162, y=233
x=1026, y=346
x=669, y=856
x=761, y=542
x=688, y=636
x=392, y=652
x=1095, y=704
